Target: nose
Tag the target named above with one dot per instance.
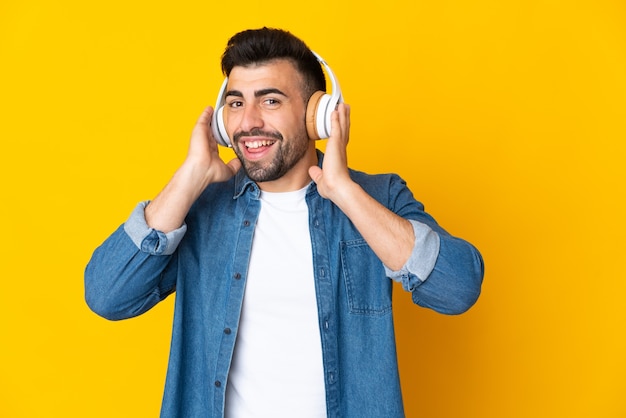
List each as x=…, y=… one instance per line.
x=250, y=118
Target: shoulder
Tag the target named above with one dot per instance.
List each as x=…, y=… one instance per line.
x=388, y=189
x=216, y=197
x=378, y=183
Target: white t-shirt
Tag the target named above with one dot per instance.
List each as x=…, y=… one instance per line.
x=277, y=368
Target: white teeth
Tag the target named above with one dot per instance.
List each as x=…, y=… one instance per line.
x=258, y=144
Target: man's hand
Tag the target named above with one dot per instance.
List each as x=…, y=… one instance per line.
x=333, y=177
x=202, y=167
x=203, y=152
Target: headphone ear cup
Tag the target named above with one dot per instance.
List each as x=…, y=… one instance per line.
x=322, y=105
x=318, y=115
x=219, y=129
x=311, y=114
x=218, y=125
x=324, y=111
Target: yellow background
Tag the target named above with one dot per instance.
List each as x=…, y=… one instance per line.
x=507, y=119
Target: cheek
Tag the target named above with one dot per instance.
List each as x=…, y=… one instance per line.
x=292, y=125
x=230, y=122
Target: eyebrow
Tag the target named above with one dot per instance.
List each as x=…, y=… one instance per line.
x=258, y=93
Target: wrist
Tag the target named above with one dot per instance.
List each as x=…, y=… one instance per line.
x=195, y=176
x=345, y=192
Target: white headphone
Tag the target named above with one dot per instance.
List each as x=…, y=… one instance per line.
x=318, y=110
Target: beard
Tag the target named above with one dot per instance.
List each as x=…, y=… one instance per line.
x=286, y=155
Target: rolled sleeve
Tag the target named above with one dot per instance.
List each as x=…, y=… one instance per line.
x=422, y=260
x=148, y=239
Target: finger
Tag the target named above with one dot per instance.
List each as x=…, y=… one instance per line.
x=205, y=117
x=201, y=135
x=340, y=123
x=344, y=121
x=336, y=131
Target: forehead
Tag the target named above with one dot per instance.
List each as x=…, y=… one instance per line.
x=276, y=73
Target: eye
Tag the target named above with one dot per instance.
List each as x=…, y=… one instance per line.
x=234, y=104
x=270, y=101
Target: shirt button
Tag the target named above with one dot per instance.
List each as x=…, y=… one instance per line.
x=227, y=331
x=218, y=383
x=237, y=276
x=246, y=223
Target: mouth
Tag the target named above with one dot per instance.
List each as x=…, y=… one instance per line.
x=257, y=144
x=255, y=149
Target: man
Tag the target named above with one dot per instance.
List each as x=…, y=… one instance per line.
x=280, y=258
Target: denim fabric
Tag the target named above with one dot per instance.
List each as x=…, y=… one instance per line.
x=206, y=263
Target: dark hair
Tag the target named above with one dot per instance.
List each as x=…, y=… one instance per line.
x=257, y=46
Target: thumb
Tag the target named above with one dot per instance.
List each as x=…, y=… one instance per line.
x=234, y=165
x=315, y=173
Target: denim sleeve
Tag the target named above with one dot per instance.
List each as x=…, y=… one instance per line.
x=148, y=239
x=133, y=269
x=455, y=282
x=444, y=272
x=422, y=259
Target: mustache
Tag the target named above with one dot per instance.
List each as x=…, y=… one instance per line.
x=258, y=132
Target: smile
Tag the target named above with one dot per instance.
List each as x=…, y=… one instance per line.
x=259, y=144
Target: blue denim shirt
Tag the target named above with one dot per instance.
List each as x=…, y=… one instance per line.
x=206, y=262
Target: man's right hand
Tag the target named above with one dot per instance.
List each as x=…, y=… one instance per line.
x=201, y=167
x=203, y=152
